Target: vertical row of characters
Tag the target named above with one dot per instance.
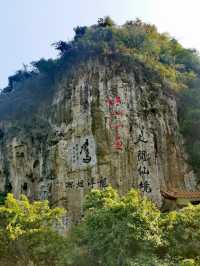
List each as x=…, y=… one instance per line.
x=82, y=153
x=115, y=114
x=142, y=157
x=83, y=150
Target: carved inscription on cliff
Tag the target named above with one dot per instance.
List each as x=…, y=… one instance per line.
x=82, y=152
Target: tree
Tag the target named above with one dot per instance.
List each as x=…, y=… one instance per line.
x=28, y=235
x=181, y=232
x=62, y=47
x=79, y=32
x=106, y=22
x=117, y=229
x=130, y=231
x=19, y=76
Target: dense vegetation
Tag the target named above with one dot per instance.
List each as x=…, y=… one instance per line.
x=134, y=42
x=115, y=231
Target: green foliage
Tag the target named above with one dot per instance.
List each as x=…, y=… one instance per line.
x=134, y=43
x=136, y=40
x=181, y=230
x=62, y=47
x=130, y=230
x=23, y=217
x=188, y=262
x=120, y=227
x=45, y=66
x=116, y=230
x=79, y=32
x=27, y=233
x=19, y=76
x=106, y=22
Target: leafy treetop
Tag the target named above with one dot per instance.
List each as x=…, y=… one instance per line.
x=135, y=40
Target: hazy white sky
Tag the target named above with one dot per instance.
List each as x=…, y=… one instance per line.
x=28, y=27
x=181, y=18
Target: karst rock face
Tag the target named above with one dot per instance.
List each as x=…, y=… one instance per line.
x=108, y=124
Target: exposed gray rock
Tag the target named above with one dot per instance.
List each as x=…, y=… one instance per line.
x=106, y=126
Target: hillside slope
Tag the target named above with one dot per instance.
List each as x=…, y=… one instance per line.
x=104, y=112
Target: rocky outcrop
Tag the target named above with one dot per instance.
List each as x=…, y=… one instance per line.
x=107, y=124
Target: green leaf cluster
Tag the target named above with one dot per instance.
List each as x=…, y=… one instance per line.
x=115, y=231
x=129, y=230
x=138, y=41
x=28, y=235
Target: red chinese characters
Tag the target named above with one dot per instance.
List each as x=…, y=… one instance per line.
x=116, y=114
x=113, y=102
x=118, y=144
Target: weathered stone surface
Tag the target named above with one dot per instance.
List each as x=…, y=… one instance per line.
x=107, y=126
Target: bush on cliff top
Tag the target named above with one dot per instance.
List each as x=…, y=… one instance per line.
x=137, y=40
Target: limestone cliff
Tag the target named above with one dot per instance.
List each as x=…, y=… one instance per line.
x=107, y=124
